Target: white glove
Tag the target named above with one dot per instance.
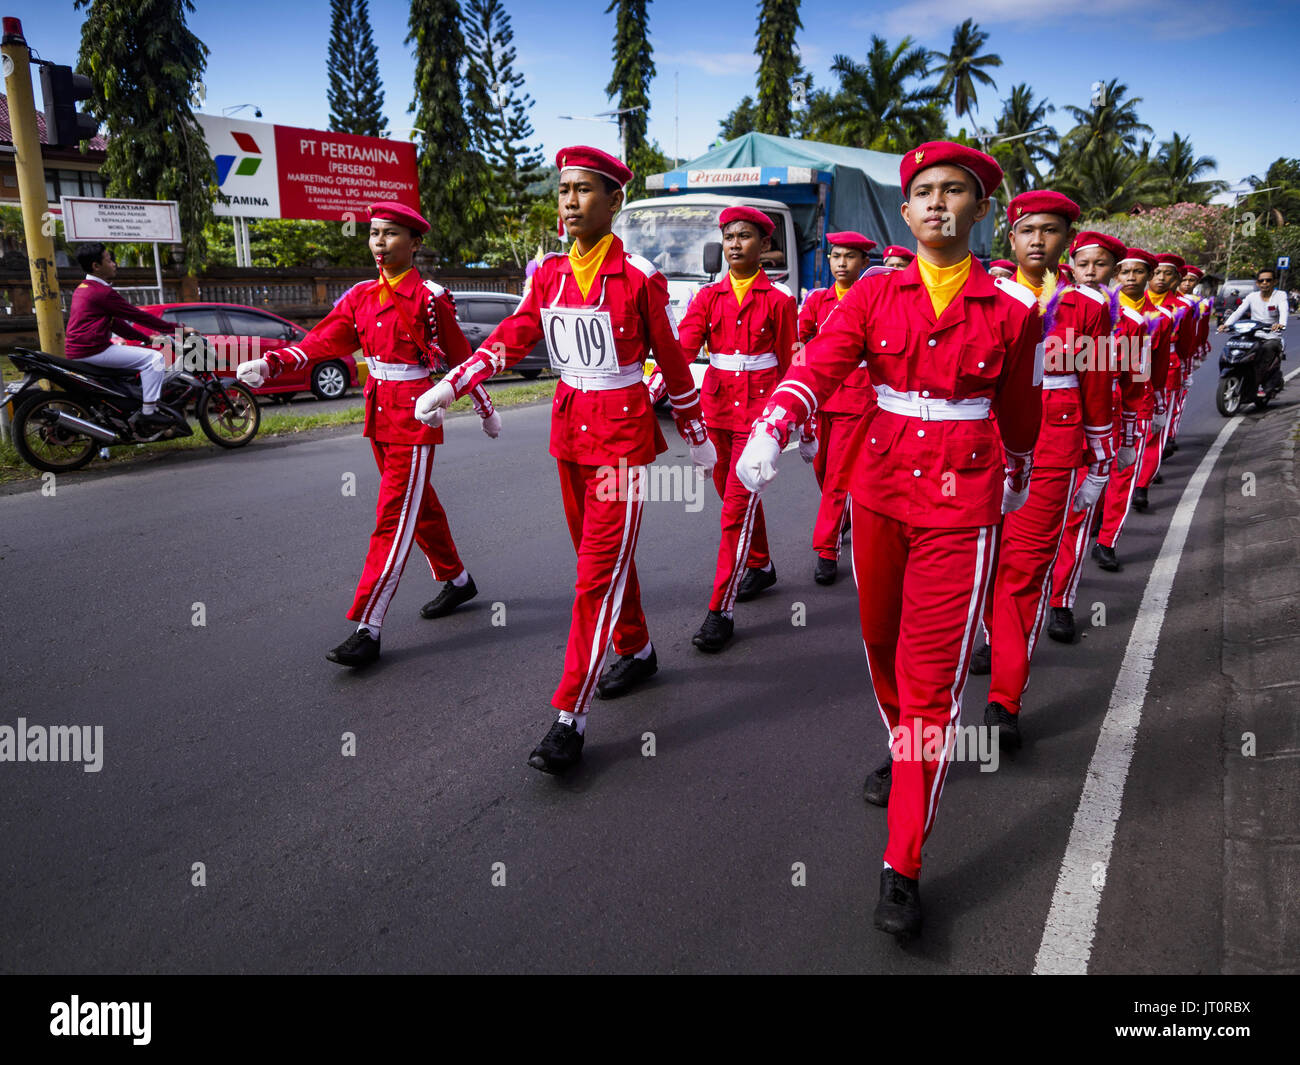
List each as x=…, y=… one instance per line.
x=705, y=456
x=1158, y=421
x=1125, y=457
x=757, y=464
x=808, y=449
x=1089, y=492
x=253, y=373
x=1012, y=500
x=492, y=425
x=431, y=404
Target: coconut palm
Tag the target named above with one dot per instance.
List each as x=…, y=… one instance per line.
x=960, y=66
x=1108, y=179
x=1182, y=172
x=1110, y=118
x=1020, y=158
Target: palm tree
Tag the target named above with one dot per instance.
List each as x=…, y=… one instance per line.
x=961, y=65
x=1181, y=171
x=874, y=107
x=1110, y=117
x=1109, y=179
x=1020, y=158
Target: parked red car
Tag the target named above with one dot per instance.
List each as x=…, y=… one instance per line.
x=240, y=333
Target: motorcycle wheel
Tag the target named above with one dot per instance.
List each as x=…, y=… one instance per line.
x=1228, y=396
x=47, y=446
x=230, y=418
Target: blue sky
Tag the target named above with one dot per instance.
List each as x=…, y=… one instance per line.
x=1229, y=85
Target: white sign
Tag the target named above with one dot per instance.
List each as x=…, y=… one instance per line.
x=248, y=174
x=580, y=341
x=730, y=176
x=1284, y=262
x=129, y=221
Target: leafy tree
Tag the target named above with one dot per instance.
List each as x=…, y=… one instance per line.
x=453, y=180
x=1109, y=118
x=355, y=96
x=962, y=66
x=1182, y=172
x=743, y=119
x=277, y=242
x=1281, y=204
x=1109, y=179
x=878, y=104
x=1020, y=158
x=630, y=84
x=778, y=64
x=145, y=66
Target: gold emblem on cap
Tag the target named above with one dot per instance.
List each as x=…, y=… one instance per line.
x=919, y=155
x=1019, y=211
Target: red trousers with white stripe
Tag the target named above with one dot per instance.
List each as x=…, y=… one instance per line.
x=1022, y=586
x=744, y=533
x=408, y=512
x=833, y=433
x=1154, y=455
x=1073, y=548
x=603, y=507
x=921, y=595
x=1118, y=496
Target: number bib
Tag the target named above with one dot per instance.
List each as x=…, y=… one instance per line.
x=580, y=341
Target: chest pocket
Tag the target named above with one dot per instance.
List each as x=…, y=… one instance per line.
x=627, y=336
x=978, y=367
x=970, y=445
x=889, y=341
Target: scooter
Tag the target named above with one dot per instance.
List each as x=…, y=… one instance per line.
x=1243, y=378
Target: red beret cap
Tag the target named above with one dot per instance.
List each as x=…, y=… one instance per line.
x=1168, y=258
x=1041, y=201
x=747, y=214
x=393, y=211
x=984, y=168
x=893, y=250
x=849, y=239
x=1006, y=264
x=1065, y=272
x=1089, y=239
x=581, y=157
x=1138, y=255
x=1192, y=271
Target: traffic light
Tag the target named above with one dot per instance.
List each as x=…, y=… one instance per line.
x=65, y=126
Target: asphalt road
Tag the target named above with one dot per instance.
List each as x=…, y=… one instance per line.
x=222, y=743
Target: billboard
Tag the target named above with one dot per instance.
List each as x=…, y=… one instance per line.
x=131, y=221
x=269, y=171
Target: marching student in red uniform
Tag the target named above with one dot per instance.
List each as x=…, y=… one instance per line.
x=406, y=328
x=897, y=257
x=1095, y=256
x=837, y=420
x=1003, y=268
x=748, y=324
x=945, y=453
x=1188, y=278
x=601, y=311
x=1133, y=273
x=1076, y=421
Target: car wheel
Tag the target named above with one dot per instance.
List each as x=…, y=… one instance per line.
x=530, y=375
x=329, y=380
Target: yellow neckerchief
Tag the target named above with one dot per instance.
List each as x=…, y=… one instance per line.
x=1043, y=292
x=586, y=267
x=840, y=293
x=1158, y=298
x=393, y=282
x=1130, y=303
x=943, y=282
x=741, y=285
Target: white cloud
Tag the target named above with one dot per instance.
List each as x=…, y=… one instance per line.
x=727, y=64
x=1193, y=18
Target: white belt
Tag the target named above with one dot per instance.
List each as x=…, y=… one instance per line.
x=911, y=405
x=626, y=377
x=1064, y=380
x=395, y=371
x=742, y=362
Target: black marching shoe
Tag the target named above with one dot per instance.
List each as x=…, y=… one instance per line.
x=1140, y=501
x=626, y=674
x=1008, y=725
x=1105, y=557
x=560, y=749
x=1170, y=448
x=449, y=599
x=714, y=633
x=1061, y=627
x=899, y=910
x=981, y=662
x=753, y=582
x=359, y=649
x=1157, y=479
x=875, y=789
x=827, y=570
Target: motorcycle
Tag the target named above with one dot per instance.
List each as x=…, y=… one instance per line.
x=91, y=407
x=1242, y=376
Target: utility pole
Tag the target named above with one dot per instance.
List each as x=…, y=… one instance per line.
x=38, y=226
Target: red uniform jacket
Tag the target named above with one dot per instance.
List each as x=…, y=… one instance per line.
x=359, y=320
x=593, y=427
x=931, y=474
x=1078, y=424
x=855, y=395
x=97, y=312
x=1132, y=372
x=1161, y=327
x=763, y=324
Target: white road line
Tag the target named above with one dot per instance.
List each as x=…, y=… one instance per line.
x=1072, y=921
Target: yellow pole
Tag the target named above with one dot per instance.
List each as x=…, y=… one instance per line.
x=38, y=226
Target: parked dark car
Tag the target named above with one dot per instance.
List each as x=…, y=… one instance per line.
x=481, y=312
x=244, y=332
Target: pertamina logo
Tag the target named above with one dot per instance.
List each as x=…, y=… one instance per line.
x=247, y=166
x=241, y=193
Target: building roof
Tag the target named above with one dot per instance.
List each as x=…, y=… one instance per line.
x=97, y=143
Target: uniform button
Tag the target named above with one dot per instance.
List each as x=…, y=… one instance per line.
x=625, y=408
x=916, y=473
x=925, y=394
x=932, y=342
x=972, y=454
x=981, y=366
x=882, y=343
x=737, y=373
x=620, y=329
x=379, y=408
x=584, y=428
x=736, y=404
x=873, y=439
x=920, y=432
